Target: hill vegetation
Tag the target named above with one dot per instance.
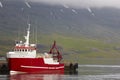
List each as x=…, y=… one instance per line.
x=79, y=34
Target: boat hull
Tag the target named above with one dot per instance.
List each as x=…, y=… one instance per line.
x=33, y=65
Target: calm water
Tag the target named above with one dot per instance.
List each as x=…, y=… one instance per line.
x=85, y=72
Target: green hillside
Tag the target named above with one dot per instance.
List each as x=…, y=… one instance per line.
x=74, y=49
x=80, y=36
x=84, y=50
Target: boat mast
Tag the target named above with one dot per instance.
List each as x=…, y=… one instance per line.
x=27, y=37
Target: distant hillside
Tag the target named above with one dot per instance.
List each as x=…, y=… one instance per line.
x=76, y=30
x=58, y=19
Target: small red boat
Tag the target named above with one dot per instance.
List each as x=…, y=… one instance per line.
x=24, y=58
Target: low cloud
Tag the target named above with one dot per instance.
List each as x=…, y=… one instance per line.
x=82, y=3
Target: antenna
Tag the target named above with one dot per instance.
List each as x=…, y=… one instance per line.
x=28, y=34
x=36, y=33
x=29, y=26
x=28, y=20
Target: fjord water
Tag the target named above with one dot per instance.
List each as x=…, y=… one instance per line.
x=85, y=72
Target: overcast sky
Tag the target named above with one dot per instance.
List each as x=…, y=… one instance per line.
x=82, y=3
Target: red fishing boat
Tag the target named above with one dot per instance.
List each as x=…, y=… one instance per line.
x=24, y=58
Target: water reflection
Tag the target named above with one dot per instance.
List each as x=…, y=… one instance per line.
x=85, y=72
x=41, y=76
x=63, y=77
x=35, y=77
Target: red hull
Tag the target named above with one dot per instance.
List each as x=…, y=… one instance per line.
x=33, y=65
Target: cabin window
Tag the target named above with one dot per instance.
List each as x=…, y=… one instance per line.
x=25, y=50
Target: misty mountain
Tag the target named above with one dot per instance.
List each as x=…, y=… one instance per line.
x=90, y=22
x=80, y=33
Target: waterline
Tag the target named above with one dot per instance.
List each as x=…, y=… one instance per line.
x=110, y=66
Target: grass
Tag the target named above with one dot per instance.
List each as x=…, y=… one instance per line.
x=84, y=50
x=80, y=49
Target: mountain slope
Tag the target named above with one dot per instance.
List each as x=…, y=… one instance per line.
x=92, y=31
x=58, y=19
